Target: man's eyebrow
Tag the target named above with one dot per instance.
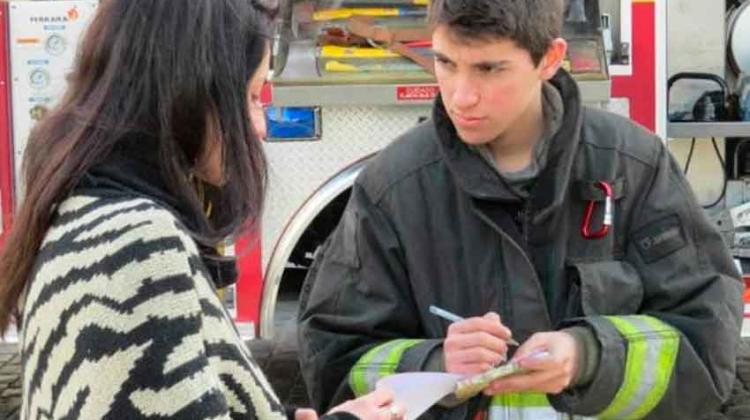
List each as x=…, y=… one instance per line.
x=481, y=64
x=441, y=56
x=491, y=64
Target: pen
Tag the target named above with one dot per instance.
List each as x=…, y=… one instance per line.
x=455, y=318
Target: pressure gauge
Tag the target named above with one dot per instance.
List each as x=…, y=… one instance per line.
x=39, y=79
x=55, y=44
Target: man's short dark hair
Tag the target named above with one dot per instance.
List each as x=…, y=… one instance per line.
x=532, y=24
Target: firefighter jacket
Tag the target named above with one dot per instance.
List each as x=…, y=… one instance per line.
x=430, y=223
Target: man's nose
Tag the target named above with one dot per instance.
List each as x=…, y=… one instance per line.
x=466, y=93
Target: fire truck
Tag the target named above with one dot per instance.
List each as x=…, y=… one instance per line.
x=41, y=38
x=352, y=106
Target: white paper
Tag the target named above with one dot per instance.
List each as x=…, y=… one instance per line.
x=418, y=391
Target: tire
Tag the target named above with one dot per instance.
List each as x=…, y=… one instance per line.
x=743, y=362
x=738, y=405
x=278, y=360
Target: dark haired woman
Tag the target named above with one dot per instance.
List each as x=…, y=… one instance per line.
x=151, y=159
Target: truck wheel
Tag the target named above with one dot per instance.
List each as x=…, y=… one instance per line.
x=278, y=360
x=743, y=362
x=738, y=405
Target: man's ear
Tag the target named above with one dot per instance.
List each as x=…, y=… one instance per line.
x=553, y=58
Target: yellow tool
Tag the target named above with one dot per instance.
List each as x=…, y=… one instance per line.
x=333, y=51
x=339, y=67
x=346, y=13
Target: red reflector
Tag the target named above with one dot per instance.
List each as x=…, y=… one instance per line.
x=266, y=94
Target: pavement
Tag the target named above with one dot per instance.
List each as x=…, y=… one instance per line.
x=10, y=381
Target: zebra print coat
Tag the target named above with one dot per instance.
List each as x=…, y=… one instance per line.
x=121, y=321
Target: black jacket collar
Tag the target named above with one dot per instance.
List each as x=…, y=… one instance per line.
x=482, y=182
x=132, y=169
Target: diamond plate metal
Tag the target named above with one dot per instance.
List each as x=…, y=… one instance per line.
x=298, y=169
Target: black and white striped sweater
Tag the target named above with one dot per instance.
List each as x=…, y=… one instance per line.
x=121, y=321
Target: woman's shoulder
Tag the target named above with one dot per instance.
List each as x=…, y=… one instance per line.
x=114, y=236
x=106, y=209
x=114, y=247
x=115, y=219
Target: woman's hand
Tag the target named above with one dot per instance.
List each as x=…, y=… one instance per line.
x=305, y=414
x=377, y=405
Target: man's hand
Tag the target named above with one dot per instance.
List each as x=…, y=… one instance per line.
x=475, y=345
x=550, y=374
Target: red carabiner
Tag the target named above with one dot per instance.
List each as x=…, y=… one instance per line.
x=608, y=214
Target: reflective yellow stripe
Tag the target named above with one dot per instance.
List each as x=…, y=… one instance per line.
x=666, y=362
x=380, y=361
x=651, y=355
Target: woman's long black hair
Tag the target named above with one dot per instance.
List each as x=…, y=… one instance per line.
x=156, y=69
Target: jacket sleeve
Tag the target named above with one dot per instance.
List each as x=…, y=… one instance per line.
x=357, y=323
x=675, y=356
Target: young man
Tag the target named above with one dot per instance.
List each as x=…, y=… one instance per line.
x=493, y=210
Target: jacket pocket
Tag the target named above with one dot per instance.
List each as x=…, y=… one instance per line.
x=607, y=287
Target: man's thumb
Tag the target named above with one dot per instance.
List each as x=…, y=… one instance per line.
x=492, y=316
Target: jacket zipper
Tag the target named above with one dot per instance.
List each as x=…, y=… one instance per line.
x=526, y=258
x=525, y=222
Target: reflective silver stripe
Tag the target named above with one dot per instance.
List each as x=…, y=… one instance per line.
x=498, y=412
x=526, y=406
x=530, y=413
